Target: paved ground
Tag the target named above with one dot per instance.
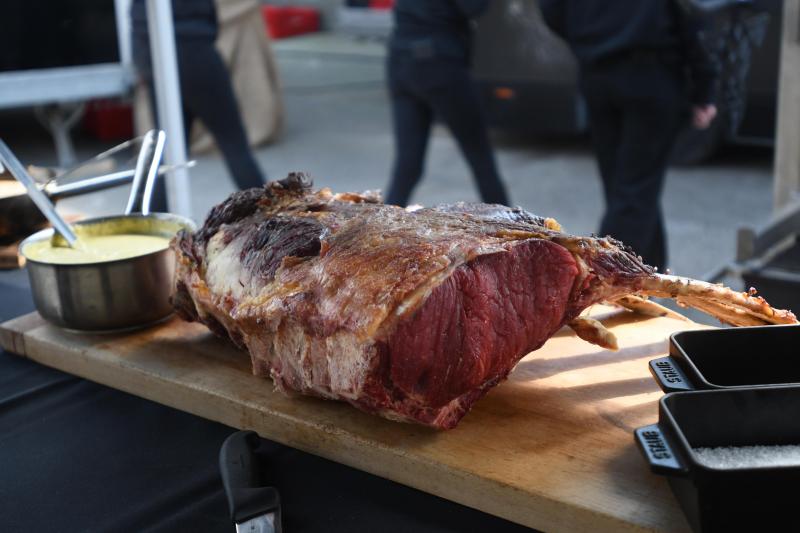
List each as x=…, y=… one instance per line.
x=338, y=129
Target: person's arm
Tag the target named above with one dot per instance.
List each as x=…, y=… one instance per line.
x=703, y=71
x=472, y=8
x=554, y=15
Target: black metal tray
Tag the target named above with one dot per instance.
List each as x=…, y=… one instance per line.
x=757, y=498
x=730, y=358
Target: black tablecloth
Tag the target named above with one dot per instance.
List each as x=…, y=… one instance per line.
x=77, y=456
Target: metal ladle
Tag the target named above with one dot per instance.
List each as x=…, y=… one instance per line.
x=12, y=164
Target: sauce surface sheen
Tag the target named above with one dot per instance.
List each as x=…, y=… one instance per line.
x=96, y=249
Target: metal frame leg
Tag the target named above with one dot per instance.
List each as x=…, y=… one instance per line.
x=59, y=119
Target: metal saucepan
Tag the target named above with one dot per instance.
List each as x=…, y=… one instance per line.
x=119, y=294
x=111, y=295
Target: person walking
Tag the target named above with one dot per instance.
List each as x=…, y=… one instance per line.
x=206, y=91
x=428, y=77
x=643, y=72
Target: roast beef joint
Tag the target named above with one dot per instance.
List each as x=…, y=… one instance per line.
x=411, y=314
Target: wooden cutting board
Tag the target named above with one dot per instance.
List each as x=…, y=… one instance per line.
x=551, y=448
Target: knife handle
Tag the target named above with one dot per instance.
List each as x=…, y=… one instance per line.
x=241, y=477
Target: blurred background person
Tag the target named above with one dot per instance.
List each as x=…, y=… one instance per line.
x=206, y=91
x=246, y=49
x=428, y=77
x=644, y=72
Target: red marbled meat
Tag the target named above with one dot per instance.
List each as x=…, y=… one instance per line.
x=485, y=307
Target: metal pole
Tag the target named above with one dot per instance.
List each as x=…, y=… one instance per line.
x=168, y=101
x=122, y=10
x=787, y=139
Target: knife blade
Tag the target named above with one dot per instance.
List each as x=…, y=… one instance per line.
x=260, y=524
x=254, y=508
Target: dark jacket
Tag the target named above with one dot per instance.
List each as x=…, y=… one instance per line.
x=193, y=19
x=601, y=31
x=435, y=28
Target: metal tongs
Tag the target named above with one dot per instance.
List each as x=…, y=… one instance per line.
x=254, y=508
x=38, y=196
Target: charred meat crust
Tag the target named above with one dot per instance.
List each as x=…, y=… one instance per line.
x=238, y=206
x=296, y=181
x=267, y=243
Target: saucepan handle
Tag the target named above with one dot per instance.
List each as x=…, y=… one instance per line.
x=241, y=477
x=658, y=452
x=669, y=375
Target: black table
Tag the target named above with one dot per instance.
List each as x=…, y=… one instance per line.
x=78, y=456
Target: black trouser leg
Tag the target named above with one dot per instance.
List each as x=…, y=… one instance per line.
x=421, y=89
x=633, y=214
x=636, y=113
x=459, y=107
x=606, y=121
x=206, y=93
x=633, y=188
x=411, y=120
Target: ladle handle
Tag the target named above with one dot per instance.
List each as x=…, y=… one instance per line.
x=39, y=198
x=152, y=171
x=146, y=167
x=106, y=181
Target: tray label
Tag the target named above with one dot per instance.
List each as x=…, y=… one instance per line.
x=656, y=450
x=668, y=371
x=655, y=445
x=669, y=375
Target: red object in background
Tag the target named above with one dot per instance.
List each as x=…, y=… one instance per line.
x=286, y=21
x=381, y=4
x=108, y=120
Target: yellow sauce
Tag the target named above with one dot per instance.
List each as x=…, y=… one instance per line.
x=96, y=249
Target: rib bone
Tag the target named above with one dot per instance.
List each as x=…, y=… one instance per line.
x=644, y=306
x=594, y=332
x=729, y=306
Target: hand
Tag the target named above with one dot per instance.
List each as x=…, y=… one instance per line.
x=703, y=115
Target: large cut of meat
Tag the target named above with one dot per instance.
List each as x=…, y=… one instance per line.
x=410, y=314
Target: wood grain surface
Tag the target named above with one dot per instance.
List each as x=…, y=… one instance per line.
x=551, y=448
